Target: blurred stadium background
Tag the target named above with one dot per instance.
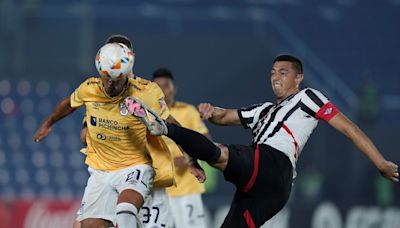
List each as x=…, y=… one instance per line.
x=221, y=52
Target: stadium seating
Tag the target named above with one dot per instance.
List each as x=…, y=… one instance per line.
x=53, y=168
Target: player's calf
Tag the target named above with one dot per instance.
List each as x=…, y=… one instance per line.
x=193, y=143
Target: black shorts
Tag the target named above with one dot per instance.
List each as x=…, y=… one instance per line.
x=263, y=177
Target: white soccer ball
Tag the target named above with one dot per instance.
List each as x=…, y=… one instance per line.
x=114, y=60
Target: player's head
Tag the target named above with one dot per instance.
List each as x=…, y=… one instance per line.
x=286, y=76
x=164, y=78
x=118, y=38
x=114, y=62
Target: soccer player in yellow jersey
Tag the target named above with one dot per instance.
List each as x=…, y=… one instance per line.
x=185, y=198
x=118, y=144
x=155, y=210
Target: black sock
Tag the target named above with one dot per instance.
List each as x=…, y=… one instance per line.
x=193, y=143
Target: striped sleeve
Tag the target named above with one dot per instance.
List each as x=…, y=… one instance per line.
x=318, y=105
x=249, y=116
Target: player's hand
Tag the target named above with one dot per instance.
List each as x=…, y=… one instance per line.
x=42, y=133
x=206, y=110
x=389, y=170
x=197, y=171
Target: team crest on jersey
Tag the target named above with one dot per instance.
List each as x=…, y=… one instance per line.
x=123, y=110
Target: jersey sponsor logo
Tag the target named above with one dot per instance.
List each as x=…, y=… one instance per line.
x=111, y=125
x=113, y=138
x=93, y=121
x=107, y=124
x=101, y=136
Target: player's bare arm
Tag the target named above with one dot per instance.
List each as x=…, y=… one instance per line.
x=217, y=115
x=83, y=134
x=387, y=168
x=62, y=110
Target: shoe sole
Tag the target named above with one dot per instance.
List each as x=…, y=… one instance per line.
x=146, y=115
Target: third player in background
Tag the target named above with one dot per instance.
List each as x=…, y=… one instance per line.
x=185, y=199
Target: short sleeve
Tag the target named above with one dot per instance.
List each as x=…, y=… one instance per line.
x=76, y=97
x=318, y=105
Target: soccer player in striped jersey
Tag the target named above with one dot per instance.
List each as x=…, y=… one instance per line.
x=263, y=171
x=185, y=198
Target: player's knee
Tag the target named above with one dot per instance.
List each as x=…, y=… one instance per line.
x=76, y=224
x=95, y=223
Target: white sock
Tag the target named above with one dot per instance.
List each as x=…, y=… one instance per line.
x=126, y=215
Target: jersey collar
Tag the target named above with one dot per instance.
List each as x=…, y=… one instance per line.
x=287, y=98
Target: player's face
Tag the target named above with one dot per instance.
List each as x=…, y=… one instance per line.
x=114, y=87
x=284, y=79
x=168, y=88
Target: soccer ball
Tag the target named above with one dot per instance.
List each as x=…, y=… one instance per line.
x=114, y=60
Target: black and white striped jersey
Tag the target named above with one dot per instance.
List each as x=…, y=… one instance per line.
x=288, y=125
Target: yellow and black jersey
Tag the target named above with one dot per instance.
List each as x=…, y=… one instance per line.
x=116, y=140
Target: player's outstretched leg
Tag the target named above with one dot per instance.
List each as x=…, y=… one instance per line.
x=193, y=143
